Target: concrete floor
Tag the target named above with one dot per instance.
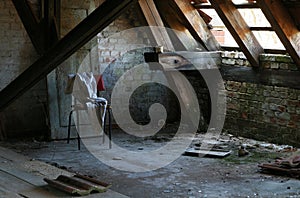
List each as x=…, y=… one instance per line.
x=187, y=176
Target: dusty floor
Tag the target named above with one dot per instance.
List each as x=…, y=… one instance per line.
x=188, y=176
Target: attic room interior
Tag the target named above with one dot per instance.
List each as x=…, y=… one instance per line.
x=150, y=98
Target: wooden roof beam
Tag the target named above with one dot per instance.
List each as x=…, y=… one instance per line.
x=284, y=26
x=99, y=19
x=32, y=27
x=181, y=36
x=153, y=19
x=195, y=24
x=239, y=29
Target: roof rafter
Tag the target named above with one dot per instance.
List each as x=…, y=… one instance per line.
x=195, y=24
x=174, y=78
x=153, y=19
x=284, y=26
x=239, y=30
x=107, y=12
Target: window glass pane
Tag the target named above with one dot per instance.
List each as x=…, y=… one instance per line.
x=254, y=17
x=219, y=30
x=237, y=2
x=268, y=40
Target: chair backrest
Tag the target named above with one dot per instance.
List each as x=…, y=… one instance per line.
x=85, y=87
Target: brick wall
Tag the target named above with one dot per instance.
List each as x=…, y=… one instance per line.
x=122, y=48
x=263, y=111
x=26, y=116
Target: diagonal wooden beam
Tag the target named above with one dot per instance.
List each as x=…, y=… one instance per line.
x=153, y=19
x=283, y=25
x=74, y=40
x=239, y=29
x=174, y=78
x=32, y=27
x=181, y=37
x=194, y=23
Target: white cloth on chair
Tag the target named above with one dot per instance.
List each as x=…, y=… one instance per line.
x=85, y=91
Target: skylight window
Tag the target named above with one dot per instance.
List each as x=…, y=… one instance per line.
x=253, y=17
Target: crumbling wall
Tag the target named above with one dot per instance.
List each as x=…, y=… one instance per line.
x=28, y=115
x=269, y=110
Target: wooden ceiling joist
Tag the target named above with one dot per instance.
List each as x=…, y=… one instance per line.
x=239, y=29
x=107, y=12
x=195, y=24
x=284, y=26
x=32, y=27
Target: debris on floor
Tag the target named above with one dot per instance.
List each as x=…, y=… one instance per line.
x=78, y=184
x=283, y=166
x=218, y=148
x=242, y=151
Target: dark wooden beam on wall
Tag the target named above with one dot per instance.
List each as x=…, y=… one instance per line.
x=33, y=28
x=51, y=21
x=239, y=29
x=195, y=24
x=74, y=40
x=283, y=25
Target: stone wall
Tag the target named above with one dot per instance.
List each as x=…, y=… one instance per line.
x=28, y=115
x=263, y=111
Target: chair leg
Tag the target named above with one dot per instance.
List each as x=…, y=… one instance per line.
x=78, y=130
x=69, y=126
x=109, y=126
x=78, y=140
x=104, y=128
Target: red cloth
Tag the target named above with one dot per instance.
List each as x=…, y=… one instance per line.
x=100, y=83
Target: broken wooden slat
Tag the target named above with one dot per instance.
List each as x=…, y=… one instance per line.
x=74, y=40
x=195, y=24
x=284, y=27
x=31, y=25
x=239, y=29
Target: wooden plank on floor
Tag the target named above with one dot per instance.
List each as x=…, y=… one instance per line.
x=20, y=175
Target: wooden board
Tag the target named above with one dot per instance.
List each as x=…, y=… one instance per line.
x=19, y=175
x=207, y=153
